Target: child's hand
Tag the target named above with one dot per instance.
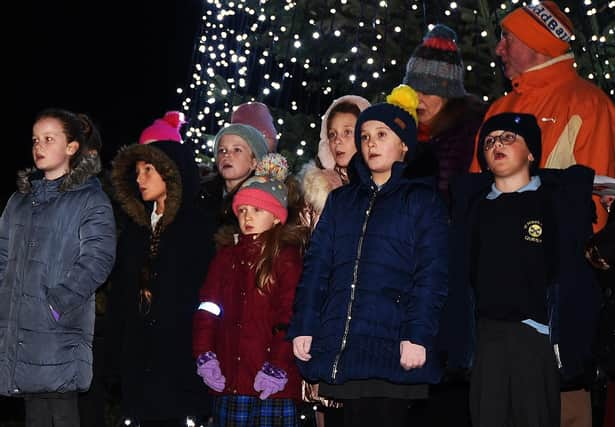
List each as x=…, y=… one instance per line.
x=270, y=380
x=412, y=355
x=301, y=347
x=208, y=368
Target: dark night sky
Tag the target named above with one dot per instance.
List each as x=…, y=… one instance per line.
x=118, y=61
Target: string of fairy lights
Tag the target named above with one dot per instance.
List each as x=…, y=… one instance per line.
x=296, y=55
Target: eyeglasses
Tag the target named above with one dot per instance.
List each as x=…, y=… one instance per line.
x=505, y=138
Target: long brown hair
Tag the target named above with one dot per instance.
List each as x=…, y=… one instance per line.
x=273, y=240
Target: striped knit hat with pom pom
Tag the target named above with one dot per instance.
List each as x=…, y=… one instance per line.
x=266, y=189
x=436, y=67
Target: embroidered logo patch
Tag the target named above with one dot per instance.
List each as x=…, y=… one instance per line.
x=533, y=231
x=399, y=122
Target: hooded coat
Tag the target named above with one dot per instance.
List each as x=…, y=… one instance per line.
x=57, y=246
x=150, y=345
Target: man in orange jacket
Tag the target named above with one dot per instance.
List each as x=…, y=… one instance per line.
x=577, y=119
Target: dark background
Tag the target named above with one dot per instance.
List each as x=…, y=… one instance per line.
x=118, y=61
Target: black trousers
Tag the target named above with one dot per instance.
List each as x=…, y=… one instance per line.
x=515, y=381
x=52, y=410
x=375, y=411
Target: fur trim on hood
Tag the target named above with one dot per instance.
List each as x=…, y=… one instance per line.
x=175, y=164
x=324, y=152
x=88, y=166
x=317, y=183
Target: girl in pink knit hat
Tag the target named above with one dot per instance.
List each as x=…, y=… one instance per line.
x=239, y=331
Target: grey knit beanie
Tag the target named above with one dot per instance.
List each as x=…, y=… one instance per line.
x=251, y=135
x=436, y=67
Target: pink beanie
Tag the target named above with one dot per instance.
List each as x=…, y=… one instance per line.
x=257, y=115
x=165, y=129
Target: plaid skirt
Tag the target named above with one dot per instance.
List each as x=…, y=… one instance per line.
x=250, y=411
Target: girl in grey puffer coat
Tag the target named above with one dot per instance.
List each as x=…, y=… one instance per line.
x=57, y=245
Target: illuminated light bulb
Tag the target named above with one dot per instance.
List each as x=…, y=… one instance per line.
x=300, y=153
x=370, y=61
x=352, y=78
x=393, y=61
x=376, y=74
x=354, y=49
x=312, y=125
x=364, y=84
x=332, y=11
x=483, y=33
x=469, y=68
x=266, y=91
x=333, y=60
x=280, y=121
x=303, y=143
x=453, y=5
x=447, y=12
x=337, y=33
x=315, y=35
x=297, y=44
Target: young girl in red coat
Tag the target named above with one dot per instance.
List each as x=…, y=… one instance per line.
x=239, y=334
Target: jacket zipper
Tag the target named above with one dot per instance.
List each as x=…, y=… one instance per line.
x=334, y=371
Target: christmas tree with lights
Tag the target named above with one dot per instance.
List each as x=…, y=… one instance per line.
x=297, y=56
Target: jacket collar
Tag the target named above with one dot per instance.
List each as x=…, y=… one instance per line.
x=553, y=71
x=88, y=166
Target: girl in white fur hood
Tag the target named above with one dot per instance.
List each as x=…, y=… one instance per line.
x=335, y=149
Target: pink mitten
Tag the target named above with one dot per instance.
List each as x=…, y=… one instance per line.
x=208, y=368
x=270, y=380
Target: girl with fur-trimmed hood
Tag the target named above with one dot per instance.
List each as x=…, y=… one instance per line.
x=335, y=149
x=162, y=260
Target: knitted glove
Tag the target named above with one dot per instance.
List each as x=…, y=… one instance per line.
x=208, y=368
x=270, y=380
